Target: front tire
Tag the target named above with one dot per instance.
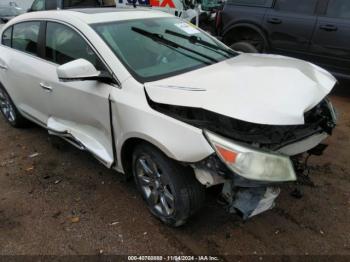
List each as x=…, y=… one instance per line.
x=9, y=110
x=170, y=190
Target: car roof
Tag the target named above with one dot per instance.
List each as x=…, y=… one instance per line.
x=96, y=15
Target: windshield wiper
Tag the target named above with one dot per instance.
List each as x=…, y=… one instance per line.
x=160, y=39
x=197, y=40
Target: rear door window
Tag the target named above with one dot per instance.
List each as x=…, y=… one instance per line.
x=296, y=6
x=25, y=37
x=338, y=9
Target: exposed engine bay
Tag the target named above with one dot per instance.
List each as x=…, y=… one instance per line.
x=320, y=119
x=241, y=195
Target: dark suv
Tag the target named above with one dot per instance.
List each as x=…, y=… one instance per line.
x=41, y=5
x=313, y=30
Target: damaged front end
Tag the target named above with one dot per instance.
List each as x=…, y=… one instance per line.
x=252, y=160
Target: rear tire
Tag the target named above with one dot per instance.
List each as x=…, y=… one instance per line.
x=10, y=111
x=244, y=47
x=170, y=190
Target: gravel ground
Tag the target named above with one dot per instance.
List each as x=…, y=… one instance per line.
x=63, y=202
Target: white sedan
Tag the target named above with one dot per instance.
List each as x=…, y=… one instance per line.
x=156, y=98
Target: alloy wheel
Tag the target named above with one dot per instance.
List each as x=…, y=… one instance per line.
x=155, y=189
x=7, y=107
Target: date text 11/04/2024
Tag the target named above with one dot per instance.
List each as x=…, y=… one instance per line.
x=173, y=258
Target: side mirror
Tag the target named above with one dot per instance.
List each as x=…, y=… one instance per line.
x=79, y=69
x=82, y=70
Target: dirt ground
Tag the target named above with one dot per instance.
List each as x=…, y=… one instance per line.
x=63, y=202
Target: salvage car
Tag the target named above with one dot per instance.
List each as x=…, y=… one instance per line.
x=314, y=30
x=156, y=98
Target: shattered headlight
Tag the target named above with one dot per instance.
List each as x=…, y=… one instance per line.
x=251, y=163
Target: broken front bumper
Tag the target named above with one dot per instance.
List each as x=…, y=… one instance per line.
x=240, y=195
x=250, y=197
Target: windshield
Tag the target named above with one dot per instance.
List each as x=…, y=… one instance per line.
x=156, y=48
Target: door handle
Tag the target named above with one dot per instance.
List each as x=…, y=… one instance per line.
x=275, y=21
x=46, y=87
x=329, y=27
x=3, y=67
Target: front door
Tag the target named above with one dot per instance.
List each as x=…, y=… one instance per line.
x=79, y=110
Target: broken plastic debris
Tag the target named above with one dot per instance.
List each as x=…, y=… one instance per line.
x=114, y=223
x=250, y=201
x=30, y=168
x=74, y=219
x=267, y=202
x=33, y=155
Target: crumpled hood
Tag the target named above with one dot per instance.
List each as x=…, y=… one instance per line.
x=262, y=89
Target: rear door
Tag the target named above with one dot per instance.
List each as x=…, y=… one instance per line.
x=79, y=110
x=331, y=41
x=23, y=70
x=290, y=25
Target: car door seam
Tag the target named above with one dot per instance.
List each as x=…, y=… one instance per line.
x=114, y=150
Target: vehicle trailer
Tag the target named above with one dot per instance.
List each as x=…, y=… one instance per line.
x=196, y=12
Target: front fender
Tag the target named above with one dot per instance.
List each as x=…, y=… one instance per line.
x=134, y=118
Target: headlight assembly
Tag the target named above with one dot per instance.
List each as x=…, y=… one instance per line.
x=251, y=163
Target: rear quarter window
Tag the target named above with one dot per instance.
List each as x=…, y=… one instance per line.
x=256, y=3
x=6, y=37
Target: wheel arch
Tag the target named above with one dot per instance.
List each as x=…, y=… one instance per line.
x=127, y=148
x=244, y=26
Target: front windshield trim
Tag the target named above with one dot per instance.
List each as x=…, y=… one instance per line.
x=133, y=72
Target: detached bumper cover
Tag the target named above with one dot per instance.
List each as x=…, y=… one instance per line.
x=250, y=202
